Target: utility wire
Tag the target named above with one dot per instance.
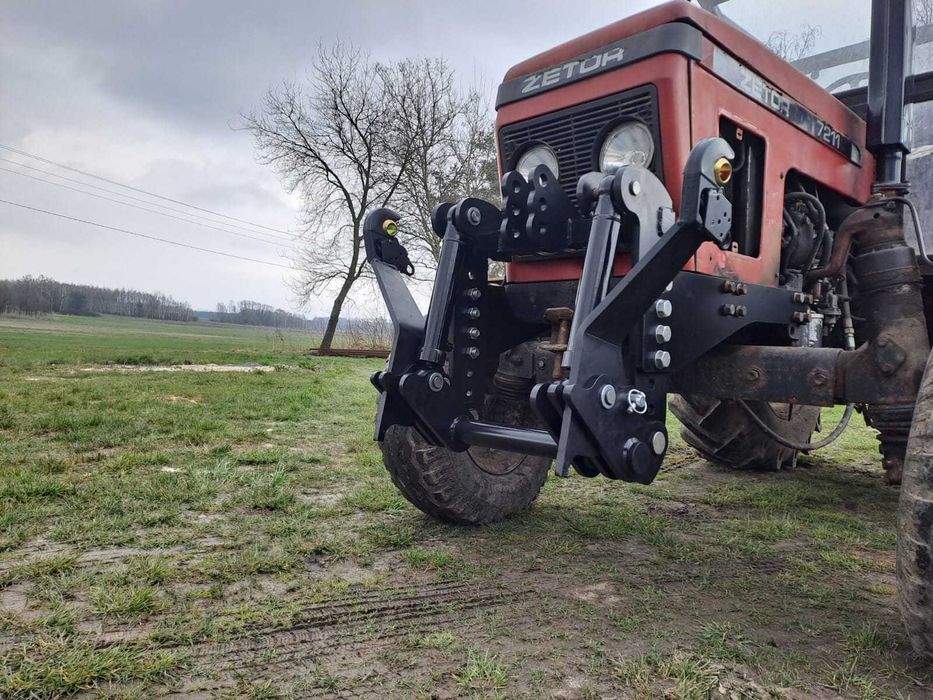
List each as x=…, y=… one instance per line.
x=152, y=211
x=285, y=237
x=136, y=189
x=142, y=235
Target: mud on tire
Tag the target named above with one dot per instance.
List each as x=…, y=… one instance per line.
x=723, y=432
x=915, y=525
x=475, y=487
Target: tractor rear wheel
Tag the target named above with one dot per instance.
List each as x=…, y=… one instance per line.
x=475, y=487
x=915, y=524
x=724, y=433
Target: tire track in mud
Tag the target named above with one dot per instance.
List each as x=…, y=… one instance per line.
x=350, y=632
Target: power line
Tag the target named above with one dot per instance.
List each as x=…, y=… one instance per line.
x=286, y=237
x=136, y=189
x=136, y=206
x=142, y=235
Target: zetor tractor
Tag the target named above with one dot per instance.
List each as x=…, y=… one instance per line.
x=687, y=222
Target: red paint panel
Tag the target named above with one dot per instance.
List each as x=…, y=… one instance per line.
x=669, y=73
x=786, y=148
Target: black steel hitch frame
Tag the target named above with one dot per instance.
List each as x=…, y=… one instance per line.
x=627, y=336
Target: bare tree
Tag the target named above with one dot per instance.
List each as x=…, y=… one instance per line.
x=334, y=143
x=793, y=45
x=923, y=12
x=453, y=151
x=346, y=142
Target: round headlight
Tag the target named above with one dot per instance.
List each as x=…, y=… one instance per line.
x=535, y=156
x=628, y=144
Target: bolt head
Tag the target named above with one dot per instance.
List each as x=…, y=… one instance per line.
x=472, y=352
x=663, y=308
x=436, y=381
x=474, y=293
x=658, y=443
x=474, y=216
x=635, y=188
x=607, y=396
x=662, y=334
x=473, y=332
x=661, y=359
x=473, y=312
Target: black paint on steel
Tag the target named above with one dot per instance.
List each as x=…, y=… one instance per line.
x=888, y=66
x=504, y=437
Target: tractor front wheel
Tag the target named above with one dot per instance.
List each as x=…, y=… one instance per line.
x=724, y=433
x=475, y=487
x=915, y=524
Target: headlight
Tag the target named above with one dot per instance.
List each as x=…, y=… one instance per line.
x=628, y=144
x=535, y=156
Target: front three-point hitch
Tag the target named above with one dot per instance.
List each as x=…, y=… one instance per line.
x=607, y=415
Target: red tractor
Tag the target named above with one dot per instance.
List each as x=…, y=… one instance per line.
x=687, y=222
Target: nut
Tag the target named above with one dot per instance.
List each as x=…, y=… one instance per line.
x=663, y=308
x=658, y=443
x=661, y=359
x=662, y=334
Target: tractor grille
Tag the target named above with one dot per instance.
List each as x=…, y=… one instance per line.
x=573, y=133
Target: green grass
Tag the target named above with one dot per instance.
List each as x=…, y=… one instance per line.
x=145, y=516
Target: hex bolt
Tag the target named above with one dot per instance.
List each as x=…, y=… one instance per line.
x=663, y=308
x=662, y=334
x=635, y=188
x=472, y=352
x=741, y=289
x=607, y=396
x=661, y=359
x=436, y=381
x=728, y=287
x=474, y=216
x=474, y=293
x=658, y=443
x=727, y=310
x=741, y=311
x=801, y=317
x=473, y=332
x=473, y=312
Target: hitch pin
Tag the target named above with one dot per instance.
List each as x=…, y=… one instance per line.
x=637, y=401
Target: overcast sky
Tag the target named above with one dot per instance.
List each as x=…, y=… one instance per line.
x=148, y=93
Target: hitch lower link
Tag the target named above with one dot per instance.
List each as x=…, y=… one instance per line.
x=607, y=416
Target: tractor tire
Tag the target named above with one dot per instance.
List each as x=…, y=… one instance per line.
x=475, y=487
x=915, y=525
x=723, y=433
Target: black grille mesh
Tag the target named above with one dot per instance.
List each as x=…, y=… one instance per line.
x=572, y=132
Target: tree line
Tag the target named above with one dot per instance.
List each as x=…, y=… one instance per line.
x=38, y=295
x=254, y=313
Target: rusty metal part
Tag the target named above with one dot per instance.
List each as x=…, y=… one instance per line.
x=854, y=225
x=560, y=319
x=884, y=373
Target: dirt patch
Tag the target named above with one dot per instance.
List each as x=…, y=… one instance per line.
x=183, y=399
x=179, y=368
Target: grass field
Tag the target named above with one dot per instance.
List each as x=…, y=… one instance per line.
x=234, y=534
